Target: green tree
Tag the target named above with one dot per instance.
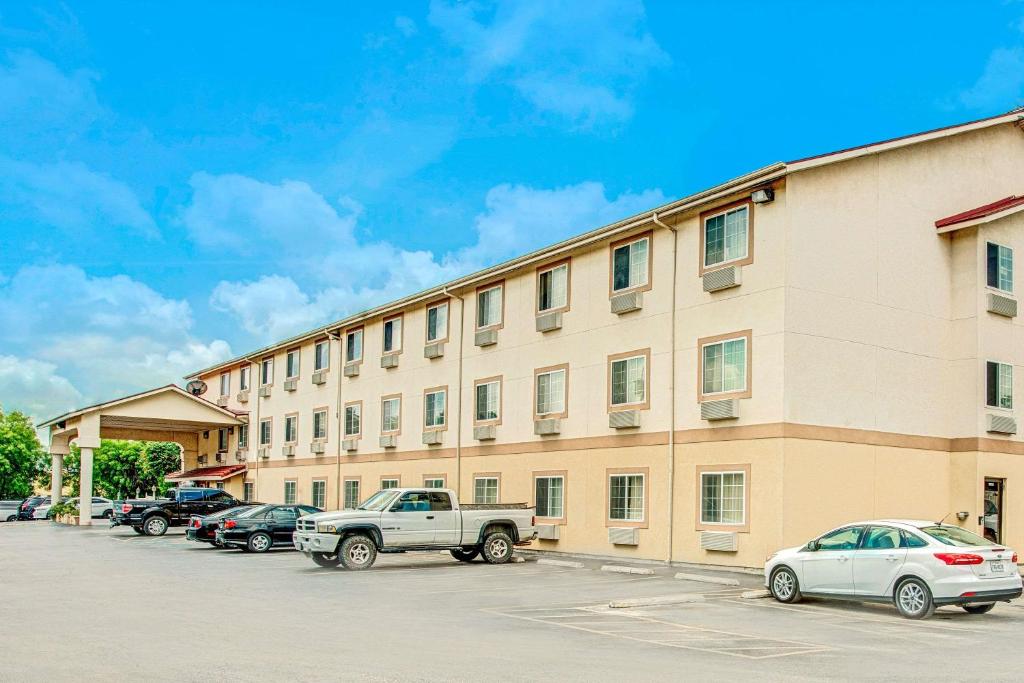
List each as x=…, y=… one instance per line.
x=119, y=469
x=162, y=458
x=21, y=455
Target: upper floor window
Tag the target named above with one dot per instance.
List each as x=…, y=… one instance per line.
x=320, y=424
x=291, y=428
x=353, y=419
x=243, y=436
x=550, y=392
x=553, y=288
x=393, y=335
x=726, y=235
x=354, y=346
x=390, y=414
x=292, y=364
x=631, y=264
x=437, y=322
x=488, y=400
x=243, y=378
x=267, y=371
x=222, y=440
x=489, y=306
x=999, y=261
x=628, y=379
x=434, y=408
x=998, y=385
x=265, y=431
x=225, y=383
x=322, y=355
x=724, y=366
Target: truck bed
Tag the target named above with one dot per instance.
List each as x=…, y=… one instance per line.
x=494, y=506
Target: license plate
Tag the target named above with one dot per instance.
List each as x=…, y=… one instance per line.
x=995, y=567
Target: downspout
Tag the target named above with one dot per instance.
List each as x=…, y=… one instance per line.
x=253, y=372
x=338, y=411
x=671, y=391
x=458, y=407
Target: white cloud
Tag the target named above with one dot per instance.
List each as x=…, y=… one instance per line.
x=1001, y=84
x=582, y=65
x=35, y=388
x=37, y=97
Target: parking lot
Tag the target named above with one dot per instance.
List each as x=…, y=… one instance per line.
x=97, y=603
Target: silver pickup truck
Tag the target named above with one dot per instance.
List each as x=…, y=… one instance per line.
x=400, y=520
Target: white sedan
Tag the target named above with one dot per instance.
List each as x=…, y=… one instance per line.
x=916, y=565
x=101, y=507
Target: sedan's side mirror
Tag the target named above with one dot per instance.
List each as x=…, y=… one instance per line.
x=812, y=545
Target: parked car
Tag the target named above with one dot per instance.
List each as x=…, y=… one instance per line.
x=261, y=528
x=399, y=520
x=205, y=528
x=9, y=510
x=153, y=516
x=916, y=565
x=27, y=508
x=102, y=508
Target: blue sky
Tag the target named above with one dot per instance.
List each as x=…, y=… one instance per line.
x=183, y=182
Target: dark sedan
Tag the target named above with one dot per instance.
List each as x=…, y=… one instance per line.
x=29, y=505
x=205, y=528
x=263, y=527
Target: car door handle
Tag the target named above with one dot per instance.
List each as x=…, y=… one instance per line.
x=891, y=558
x=430, y=516
x=842, y=558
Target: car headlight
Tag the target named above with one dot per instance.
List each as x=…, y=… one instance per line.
x=327, y=528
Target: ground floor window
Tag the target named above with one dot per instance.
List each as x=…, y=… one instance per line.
x=247, y=491
x=290, y=488
x=550, y=496
x=319, y=493
x=351, y=494
x=389, y=483
x=626, y=497
x=485, y=490
x=723, y=497
x=433, y=482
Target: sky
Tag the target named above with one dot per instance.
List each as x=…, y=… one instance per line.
x=185, y=182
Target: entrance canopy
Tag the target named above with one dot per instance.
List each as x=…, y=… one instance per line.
x=221, y=473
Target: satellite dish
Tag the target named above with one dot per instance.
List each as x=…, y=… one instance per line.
x=196, y=387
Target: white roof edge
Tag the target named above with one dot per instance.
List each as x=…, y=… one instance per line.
x=134, y=397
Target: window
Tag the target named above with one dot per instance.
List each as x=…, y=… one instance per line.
x=437, y=322
x=291, y=428
x=222, y=440
x=723, y=498
x=247, y=491
x=550, y=392
x=265, y=430
x=433, y=482
x=290, y=487
x=320, y=424
x=322, y=356
x=389, y=483
x=882, y=538
x=631, y=265
x=391, y=414
x=243, y=379
x=292, y=364
x=488, y=307
x=485, y=490
x=414, y=501
x=553, y=288
x=434, y=408
x=998, y=385
x=393, y=335
x=626, y=497
x=354, y=346
x=319, y=493
x=1000, y=267
x=628, y=381
x=243, y=436
x=726, y=235
x=351, y=494
x=267, y=371
x=353, y=418
x=225, y=383
x=724, y=366
x=841, y=539
x=488, y=400
x=440, y=502
x=550, y=496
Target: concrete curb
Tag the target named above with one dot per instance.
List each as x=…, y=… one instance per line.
x=755, y=595
x=560, y=563
x=660, y=600
x=622, y=569
x=702, y=578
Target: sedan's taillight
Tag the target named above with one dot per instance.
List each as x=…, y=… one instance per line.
x=960, y=558
x=1014, y=560
x=126, y=508
x=230, y=524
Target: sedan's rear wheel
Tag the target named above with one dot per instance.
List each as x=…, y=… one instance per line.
x=914, y=600
x=155, y=526
x=979, y=609
x=259, y=542
x=784, y=585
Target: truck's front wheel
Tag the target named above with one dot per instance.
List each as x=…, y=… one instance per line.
x=497, y=547
x=357, y=552
x=327, y=559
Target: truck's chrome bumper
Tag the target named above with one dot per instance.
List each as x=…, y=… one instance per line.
x=307, y=542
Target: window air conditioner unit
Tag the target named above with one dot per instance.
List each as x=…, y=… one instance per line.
x=435, y=350
x=762, y=196
x=722, y=278
x=201, y=459
x=724, y=409
x=221, y=457
x=546, y=322
x=389, y=361
x=548, y=532
x=265, y=391
x=241, y=454
x=485, y=432
x=350, y=445
x=432, y=438
x=243, y=396
x=623, y=535
x=288, y=451
x=486, y=337
x=625, y=303
x=320, y=377
x=719, y=541
x=1001, y=424
x=547, y=426
x=624, y=419
x=291, y=384
x=317, y=447
x=222, y=401
x=389, y=441
x=264, y=452
x=351, y=370
x=1002, y=305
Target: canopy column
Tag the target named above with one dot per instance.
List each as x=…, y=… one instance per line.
x=56, y=476
x=85, y=488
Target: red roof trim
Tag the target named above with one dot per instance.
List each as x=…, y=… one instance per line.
x=981, y=211
x=218, y=472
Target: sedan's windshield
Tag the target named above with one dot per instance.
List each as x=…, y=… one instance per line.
x=232, y=512
x=955, y=536
x=378, y=501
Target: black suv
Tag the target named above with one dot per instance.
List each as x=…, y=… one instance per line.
x=152, y=516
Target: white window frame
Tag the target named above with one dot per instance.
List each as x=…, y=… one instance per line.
x=540, y=287
x=643, y=498
x=396, y=335
x=322, y=361
x=645, y=271
x=320, y=431
x=243, y=436
x=357, y=346
x=323, y=491
x=444, y=409
x=397, y=415
x=386, y=480
x=1000, y=366
x=358, y=411
x=294, y=353
x=269, y=422
x=725, y=213
x=537, y=391
x=704, y=367
x=292, y=484
x=294, y=420
x=248, y=489
x=643, y=379
x=346, y=489
x=476, y=490
x=243, y=378
x=496, y=383
x=437, y=331
x=426, y=485
x=536, y=480
x=999, y=247
x=721, y=490
x=267, y=372
x=485, y=296
x=225, y=384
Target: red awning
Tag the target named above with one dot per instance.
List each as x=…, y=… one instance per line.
x=981, y=211
x=219, y=473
